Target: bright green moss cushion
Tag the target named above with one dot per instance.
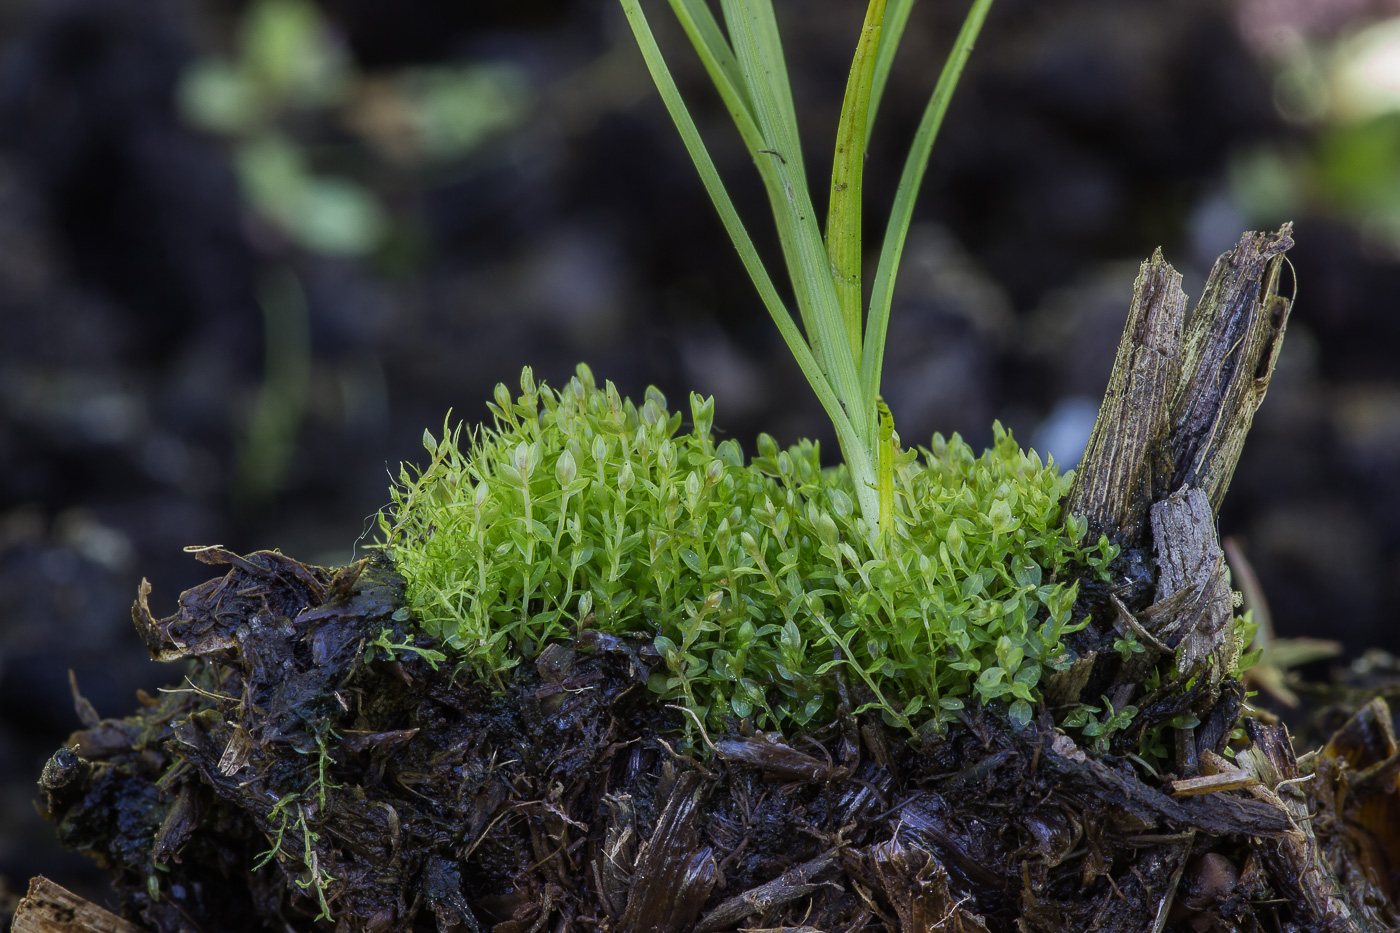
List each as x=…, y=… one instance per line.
x=757, y=583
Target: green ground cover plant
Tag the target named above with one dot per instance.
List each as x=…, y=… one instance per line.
x=756, y=584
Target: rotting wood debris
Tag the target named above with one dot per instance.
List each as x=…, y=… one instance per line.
x=287, y=783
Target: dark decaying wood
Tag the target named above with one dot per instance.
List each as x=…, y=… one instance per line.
x=289, y=784
x=1191, y=571
x=1295, y=859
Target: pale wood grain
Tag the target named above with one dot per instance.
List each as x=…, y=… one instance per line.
x=50, y=908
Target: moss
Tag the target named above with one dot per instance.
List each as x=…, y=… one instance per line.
x=757, y=584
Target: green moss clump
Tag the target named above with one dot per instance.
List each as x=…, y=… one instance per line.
x=755, y=582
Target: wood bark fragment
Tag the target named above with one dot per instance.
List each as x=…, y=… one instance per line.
x=789, y=886
x=1132, y=807
x=1294, y=859
x=1190, y=562
x=1114, y=484
x=50, y=908
x=917, y=886
x=1180, y=402
x=674, y=873
x=1229, y=350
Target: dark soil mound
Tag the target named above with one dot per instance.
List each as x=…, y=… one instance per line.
x=290, y=779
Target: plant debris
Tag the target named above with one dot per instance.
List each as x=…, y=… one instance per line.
x=289, y=783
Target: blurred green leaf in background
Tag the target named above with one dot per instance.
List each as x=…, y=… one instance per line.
x=1343, y=93
x=312, y=135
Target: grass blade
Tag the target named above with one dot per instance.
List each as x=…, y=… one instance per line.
x=709, y=41
x=753, y=31
x=723, y=67
x=877, y=324
x=847, y=173
x=850, y=437
x=885, y=458
x=891, y=31
x=724, y=70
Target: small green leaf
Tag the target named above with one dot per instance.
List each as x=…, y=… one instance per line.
x=1000, y=517
x=1020, y=714
x=565, y=469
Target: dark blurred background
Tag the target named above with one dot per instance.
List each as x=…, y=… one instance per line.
x=250, y=250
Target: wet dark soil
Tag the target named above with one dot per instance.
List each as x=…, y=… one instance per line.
x=293, y=780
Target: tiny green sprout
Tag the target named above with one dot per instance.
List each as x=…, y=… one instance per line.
x=565, y=470
x=757, y=583
x=839, y=348
x=280, y=814
x=386, y=644
x=1127, y=646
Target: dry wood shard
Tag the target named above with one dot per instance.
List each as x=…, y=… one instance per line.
x=1114, y=485
x=1229, y=350
x=50, y=908
x=1211, y=783
x=1180, y=402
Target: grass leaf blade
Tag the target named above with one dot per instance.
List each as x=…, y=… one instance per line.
x=850, y=437
x=843, y=221
x=886, y=466
x=891, y=31
x=724, y=70
x=877, y=324
x=709, y=41
x=753, y=31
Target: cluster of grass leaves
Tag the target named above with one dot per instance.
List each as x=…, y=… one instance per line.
x=758, y=583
